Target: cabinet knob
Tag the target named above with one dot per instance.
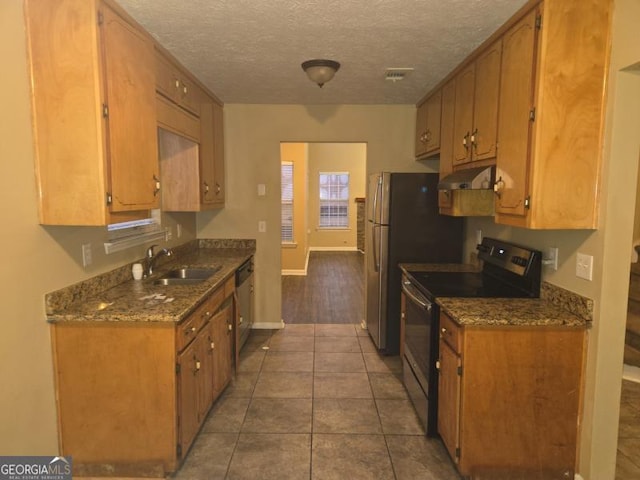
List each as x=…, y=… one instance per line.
x=465, y=141
x=218, y=188
x=473, y=138
x=156, y=187
x=198, y=365
x=230, y=327
x=206, y=188
x=498, y=187
x=177, y=83
x=427, y=136
x=443, y=331
x=437, y=364
x=213, y=345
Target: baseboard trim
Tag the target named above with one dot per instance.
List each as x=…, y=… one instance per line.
x=268, y=325
x=293, y=272
x=334, y=249
x=629, y=372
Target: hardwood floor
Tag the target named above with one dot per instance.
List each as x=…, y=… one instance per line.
x=331, y=292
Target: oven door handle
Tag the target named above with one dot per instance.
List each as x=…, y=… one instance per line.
x=413, y=296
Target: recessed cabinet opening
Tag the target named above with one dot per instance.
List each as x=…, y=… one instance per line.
x=179, y=167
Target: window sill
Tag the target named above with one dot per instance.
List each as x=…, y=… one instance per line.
x=289, y=245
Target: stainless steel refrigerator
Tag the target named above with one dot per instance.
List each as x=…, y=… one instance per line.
x=403, y=226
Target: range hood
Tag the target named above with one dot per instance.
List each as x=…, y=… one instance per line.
x=477, y=178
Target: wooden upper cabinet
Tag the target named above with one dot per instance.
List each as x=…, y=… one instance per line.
x=174, y=84
x=428, y=125
x=446, y=141
x=516, y=105
x=463, y=123
x=131, y=123
x=476, y=108
x=94, y=121
x=550, y=132
x=485, y=109
x=193, y=173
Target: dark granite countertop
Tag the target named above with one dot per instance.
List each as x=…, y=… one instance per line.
x=141, y=300
x=555, y=307
x=532, y=312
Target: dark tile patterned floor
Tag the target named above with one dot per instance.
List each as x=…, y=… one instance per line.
x=315, y=402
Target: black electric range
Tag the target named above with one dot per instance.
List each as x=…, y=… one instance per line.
x=508, y=271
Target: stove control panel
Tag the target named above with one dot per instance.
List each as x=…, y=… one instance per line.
x=508, y=256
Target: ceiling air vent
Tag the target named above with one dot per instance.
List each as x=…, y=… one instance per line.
x=395, y=74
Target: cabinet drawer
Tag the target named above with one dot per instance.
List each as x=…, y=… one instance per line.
x=450, y=332
x=188, y=329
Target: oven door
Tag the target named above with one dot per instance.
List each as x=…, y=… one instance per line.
x=420, y=354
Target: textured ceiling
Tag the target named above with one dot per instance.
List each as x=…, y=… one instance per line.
x=250, y=51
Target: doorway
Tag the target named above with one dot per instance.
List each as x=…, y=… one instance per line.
x=323, y=186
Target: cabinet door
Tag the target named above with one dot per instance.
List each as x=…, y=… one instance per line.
x=131, y=120
x=188, y=380
x=421, y=128
x=207, y=155
x=218, y=154
x=167, y=78
x=465, y=83
x=449, y=399
x=222, y=349
x=516, y=102
x=446, y=140
x=485, y=111
x=434, y=107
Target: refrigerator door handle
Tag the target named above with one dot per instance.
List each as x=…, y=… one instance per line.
x=374, y=212
x=376, y=234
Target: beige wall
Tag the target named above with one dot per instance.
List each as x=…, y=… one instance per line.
x=253, y=134
x=36, y=260
x=336, y=157
x=294, y=256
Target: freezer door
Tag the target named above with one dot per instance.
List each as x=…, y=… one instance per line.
x=376, y=292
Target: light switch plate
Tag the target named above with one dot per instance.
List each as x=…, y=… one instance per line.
x=87, y=257
x=584, y=266
x=262, y=226
x=262, y=189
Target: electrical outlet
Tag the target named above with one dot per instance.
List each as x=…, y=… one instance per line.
x=87, y=256
x=262, y=189
x=551, y=258
x=262, y=226
x=478, y=237
x=584, y=266
x=168, y=234
x=179, y=230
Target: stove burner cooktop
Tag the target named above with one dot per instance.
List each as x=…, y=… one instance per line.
x=463, y=284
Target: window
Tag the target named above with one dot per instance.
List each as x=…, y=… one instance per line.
x=286, y=229
x=334, y=200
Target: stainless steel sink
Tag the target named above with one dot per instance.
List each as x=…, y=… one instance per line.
x=186, y=276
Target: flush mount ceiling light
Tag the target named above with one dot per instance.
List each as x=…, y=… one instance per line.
x=320, y=71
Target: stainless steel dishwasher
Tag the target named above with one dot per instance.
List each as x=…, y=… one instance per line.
x=244, y=290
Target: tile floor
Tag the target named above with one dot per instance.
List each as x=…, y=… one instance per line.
x=315, y=401
x=628, y=461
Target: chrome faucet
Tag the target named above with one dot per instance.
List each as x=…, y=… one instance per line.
x=152, y=258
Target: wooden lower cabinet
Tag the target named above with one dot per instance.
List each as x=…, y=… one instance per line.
x=132, y=396
x=509, y=397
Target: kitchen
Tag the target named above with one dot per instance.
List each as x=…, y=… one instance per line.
x=44, y=259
